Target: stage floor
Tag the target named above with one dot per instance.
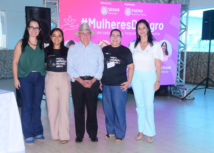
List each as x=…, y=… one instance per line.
x=181, y=127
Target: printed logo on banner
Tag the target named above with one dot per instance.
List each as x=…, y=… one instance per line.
x=69, y=24
x=128, y=11
x=104, y=10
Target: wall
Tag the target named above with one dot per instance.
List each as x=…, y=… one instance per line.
x=196, y=67
x=15, y=18
x=15, y=22
x=6, y=59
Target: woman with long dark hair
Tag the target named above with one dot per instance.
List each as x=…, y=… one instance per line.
x=165, y=51
x=29, y=74
x=57, y=86
x=147, y=55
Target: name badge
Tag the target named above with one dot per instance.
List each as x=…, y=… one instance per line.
x=110, y=65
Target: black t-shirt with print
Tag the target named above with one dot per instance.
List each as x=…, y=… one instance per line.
x=115, y=65
x=55, y=61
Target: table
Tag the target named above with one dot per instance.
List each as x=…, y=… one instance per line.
x=11, y=137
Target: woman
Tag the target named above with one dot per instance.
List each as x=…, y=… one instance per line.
x=57, y=86
x=165, y=52
x=29, y=75
x=147, y=56
x=117, y=58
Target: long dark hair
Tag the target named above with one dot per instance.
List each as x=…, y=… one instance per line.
x=150, y=36
x=166, y=47
x=63, y=49
x=25, y=37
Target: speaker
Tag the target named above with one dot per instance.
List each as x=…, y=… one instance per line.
x=208, y=25
x=44, y=16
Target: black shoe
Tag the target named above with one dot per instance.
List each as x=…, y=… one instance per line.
x=94, y=139
x=78, y=140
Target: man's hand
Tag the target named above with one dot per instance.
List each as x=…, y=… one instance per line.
x=86, y=83
x=82, y=82
x=91, y=82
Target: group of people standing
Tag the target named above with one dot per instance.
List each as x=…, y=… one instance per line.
x=87, y=68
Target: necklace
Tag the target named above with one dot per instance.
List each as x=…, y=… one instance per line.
x=31, y=43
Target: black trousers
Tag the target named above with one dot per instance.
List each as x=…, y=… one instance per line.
x=88, y=96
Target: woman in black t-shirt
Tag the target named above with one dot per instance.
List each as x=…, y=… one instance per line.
x=57, y=87
x=114, y=84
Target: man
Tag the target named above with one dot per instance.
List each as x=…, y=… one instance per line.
x=85, y=67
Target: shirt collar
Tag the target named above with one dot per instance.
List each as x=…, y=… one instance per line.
x=81, y=44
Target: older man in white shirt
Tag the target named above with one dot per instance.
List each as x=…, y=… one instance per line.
x=85, y=67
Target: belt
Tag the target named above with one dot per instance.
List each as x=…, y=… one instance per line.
x=87, y=77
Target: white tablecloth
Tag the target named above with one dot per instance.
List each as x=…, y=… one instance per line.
x=11, y=137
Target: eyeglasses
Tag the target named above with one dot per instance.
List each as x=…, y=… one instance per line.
x=115, y=36
x=85, y=34
x=33, y=28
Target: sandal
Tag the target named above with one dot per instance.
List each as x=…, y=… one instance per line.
x=150, y=139
x=64, y=141
x=40, y=137
x=109, y=136
x=139, y=136
x=118, y=139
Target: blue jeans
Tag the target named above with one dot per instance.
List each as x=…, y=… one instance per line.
x=114, y=106
x=31, y=91
x=143, y=87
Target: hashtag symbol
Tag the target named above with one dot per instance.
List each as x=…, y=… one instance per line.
x=84, y=20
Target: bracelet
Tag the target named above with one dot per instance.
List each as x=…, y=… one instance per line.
x=158, y=81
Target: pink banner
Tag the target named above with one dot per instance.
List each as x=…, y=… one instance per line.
x=103, y=16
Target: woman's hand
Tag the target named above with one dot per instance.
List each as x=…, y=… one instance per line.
x=124, y=86
x=101, y=86
x=17, y=83
x=156, y=86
